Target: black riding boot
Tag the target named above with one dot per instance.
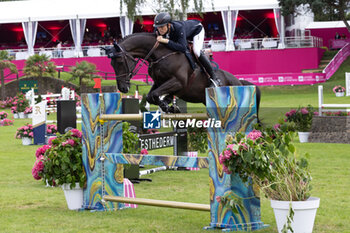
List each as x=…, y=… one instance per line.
x=213, y=80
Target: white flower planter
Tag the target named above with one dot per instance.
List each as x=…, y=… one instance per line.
x=303, y=136
x=26, y=141
x=21, y=115
x=15, y=115
x=74, y=197
x=304, y=214
x=339, y=94
x=29, y=115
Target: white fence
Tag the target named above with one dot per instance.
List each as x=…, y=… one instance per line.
x=330, y=107
x=216, y=45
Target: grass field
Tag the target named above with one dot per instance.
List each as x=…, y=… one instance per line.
x=26, y=205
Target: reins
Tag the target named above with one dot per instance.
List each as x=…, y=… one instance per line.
x=135, y=69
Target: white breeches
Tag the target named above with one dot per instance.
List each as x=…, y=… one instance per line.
x=198, y=42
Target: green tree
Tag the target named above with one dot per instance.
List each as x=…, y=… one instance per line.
x=84, y=72
x=177, y=8
x=323, y=9
x=39, y=66
x=5, y=63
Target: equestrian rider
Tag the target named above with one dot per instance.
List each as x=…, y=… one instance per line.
x=174, y=34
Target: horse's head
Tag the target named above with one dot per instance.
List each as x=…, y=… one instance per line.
x=123, y=64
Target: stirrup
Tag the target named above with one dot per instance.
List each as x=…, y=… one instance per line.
x=214, y=83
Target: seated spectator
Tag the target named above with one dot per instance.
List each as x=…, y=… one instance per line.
x=337, y=36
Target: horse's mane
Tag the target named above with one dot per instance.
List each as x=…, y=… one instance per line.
x=138, y=34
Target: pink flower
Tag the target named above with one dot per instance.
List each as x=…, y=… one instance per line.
x=221, y=159
x=277, y=126
x=76, y=133
x=38, y=167
x=144, y=152
x=218, y=199
x=226, y=170
x=31, y=134
x=304, y=111
x=50, y=140
x=227, y=154
x=255, y=134
x=244, y=146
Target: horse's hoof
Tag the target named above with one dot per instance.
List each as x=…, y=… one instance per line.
x=174, y=109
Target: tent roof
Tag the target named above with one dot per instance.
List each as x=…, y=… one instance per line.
x=326, y=24
x=48, y=10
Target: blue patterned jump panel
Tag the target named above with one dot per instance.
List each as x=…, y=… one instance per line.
x=103, y=177
x=235, y=107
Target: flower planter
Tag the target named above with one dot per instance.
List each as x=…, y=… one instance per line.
x=21, y=115
x=74, y=197
x=15, y=115
x=303, y=136
x=29, y=115
x=304, y=214
x=339, y=94
x=26, y=141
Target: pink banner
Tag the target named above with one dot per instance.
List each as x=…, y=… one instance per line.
x=284, y=79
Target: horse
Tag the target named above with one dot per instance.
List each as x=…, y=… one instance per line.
x=171, y=72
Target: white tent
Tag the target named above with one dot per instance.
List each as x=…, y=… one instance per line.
x=46, y=10
x=29, y=12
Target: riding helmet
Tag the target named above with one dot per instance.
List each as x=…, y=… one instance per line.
x=161, y=19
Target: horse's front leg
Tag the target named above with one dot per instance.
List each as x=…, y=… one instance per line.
x=149, y=98
x=169, y=88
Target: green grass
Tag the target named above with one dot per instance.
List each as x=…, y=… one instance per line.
x=26, y=205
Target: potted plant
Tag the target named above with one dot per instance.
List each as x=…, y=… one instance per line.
x=6, y=122
x=25, y=133
x=21, y=103
x=301, y=119
x=267, y=159
x=3, y=115
x=28, y=112
x=63, y=166
x=339, y=91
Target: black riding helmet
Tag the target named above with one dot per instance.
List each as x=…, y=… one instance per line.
x=161, y=19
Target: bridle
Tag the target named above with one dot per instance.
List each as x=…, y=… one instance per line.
x=130, y=71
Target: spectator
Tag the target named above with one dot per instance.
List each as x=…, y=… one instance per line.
x=337, y=36
x=59, y=49
x=343, y=36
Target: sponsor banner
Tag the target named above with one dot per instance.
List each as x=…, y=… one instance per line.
x=157, y=140
x=284, y=79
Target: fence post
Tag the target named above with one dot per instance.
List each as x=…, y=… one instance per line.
x=320, y=99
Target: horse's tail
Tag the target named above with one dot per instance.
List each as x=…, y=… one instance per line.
x=258, y=96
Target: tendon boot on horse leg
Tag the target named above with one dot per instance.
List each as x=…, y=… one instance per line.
x=213, y=80
x=173, y=108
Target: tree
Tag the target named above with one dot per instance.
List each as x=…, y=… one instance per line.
x=83, y=71
x=323, y=9
x=5, y=63
x=39, y=66
x=177, y=8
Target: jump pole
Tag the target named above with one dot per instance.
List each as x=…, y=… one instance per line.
x=235, y=107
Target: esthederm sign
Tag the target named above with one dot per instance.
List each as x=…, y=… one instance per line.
x=152, y=120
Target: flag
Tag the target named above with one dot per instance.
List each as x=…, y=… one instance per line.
x=97, y=82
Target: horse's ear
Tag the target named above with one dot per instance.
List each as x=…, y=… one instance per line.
x=116, y=47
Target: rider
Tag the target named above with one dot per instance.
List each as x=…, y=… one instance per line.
x=174, y=34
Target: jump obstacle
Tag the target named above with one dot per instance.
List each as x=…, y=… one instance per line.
x=330, y=107
x=103, y=161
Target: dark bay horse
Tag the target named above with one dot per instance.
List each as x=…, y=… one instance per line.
x=170, y=71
